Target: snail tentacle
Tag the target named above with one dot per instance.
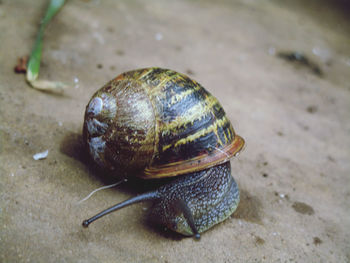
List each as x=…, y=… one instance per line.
x=154, y=195
x=181, y=206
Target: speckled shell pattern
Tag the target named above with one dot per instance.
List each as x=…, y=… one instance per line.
x=155, y=123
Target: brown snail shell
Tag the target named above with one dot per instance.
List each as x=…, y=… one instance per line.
x=155, y=123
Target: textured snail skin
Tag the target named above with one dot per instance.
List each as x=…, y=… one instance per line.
x=191, y=203
x=212, y=195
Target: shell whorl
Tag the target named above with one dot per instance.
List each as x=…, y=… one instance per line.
x=157, y=123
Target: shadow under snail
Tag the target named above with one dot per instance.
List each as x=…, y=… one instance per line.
x=155, y=123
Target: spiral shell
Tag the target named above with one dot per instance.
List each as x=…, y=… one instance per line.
x=155, y=123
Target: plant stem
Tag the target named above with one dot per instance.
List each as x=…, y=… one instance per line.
x=35, y=57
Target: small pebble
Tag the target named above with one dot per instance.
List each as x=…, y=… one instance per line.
x=159, y=36
x=272, y=51
x=41, y=155
x=76, y=82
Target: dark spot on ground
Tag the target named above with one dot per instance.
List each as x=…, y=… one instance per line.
x=259, y=241
x=110, y=29
x=265, y=163
x=330, y=158
x=189, y=72
x=306, y=128
x=300, y=60
x=279, y=133
x=265, y=175
x=120, y=52
x=21, y=66
x=303, y=208
x=54, y=162
x=249, y=208
x=178, y=48
x=311, y=109
x=99, y=66
x=317, y=241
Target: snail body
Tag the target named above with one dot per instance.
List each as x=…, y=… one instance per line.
x=154, y=123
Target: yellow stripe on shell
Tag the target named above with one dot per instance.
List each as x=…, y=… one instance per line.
x=194, y=113
x=200, y=133
x=166, y=79
x=147, y=72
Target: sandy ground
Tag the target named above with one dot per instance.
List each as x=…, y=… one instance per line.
x=294, y=173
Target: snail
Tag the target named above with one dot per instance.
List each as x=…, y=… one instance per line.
x=157, y=123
